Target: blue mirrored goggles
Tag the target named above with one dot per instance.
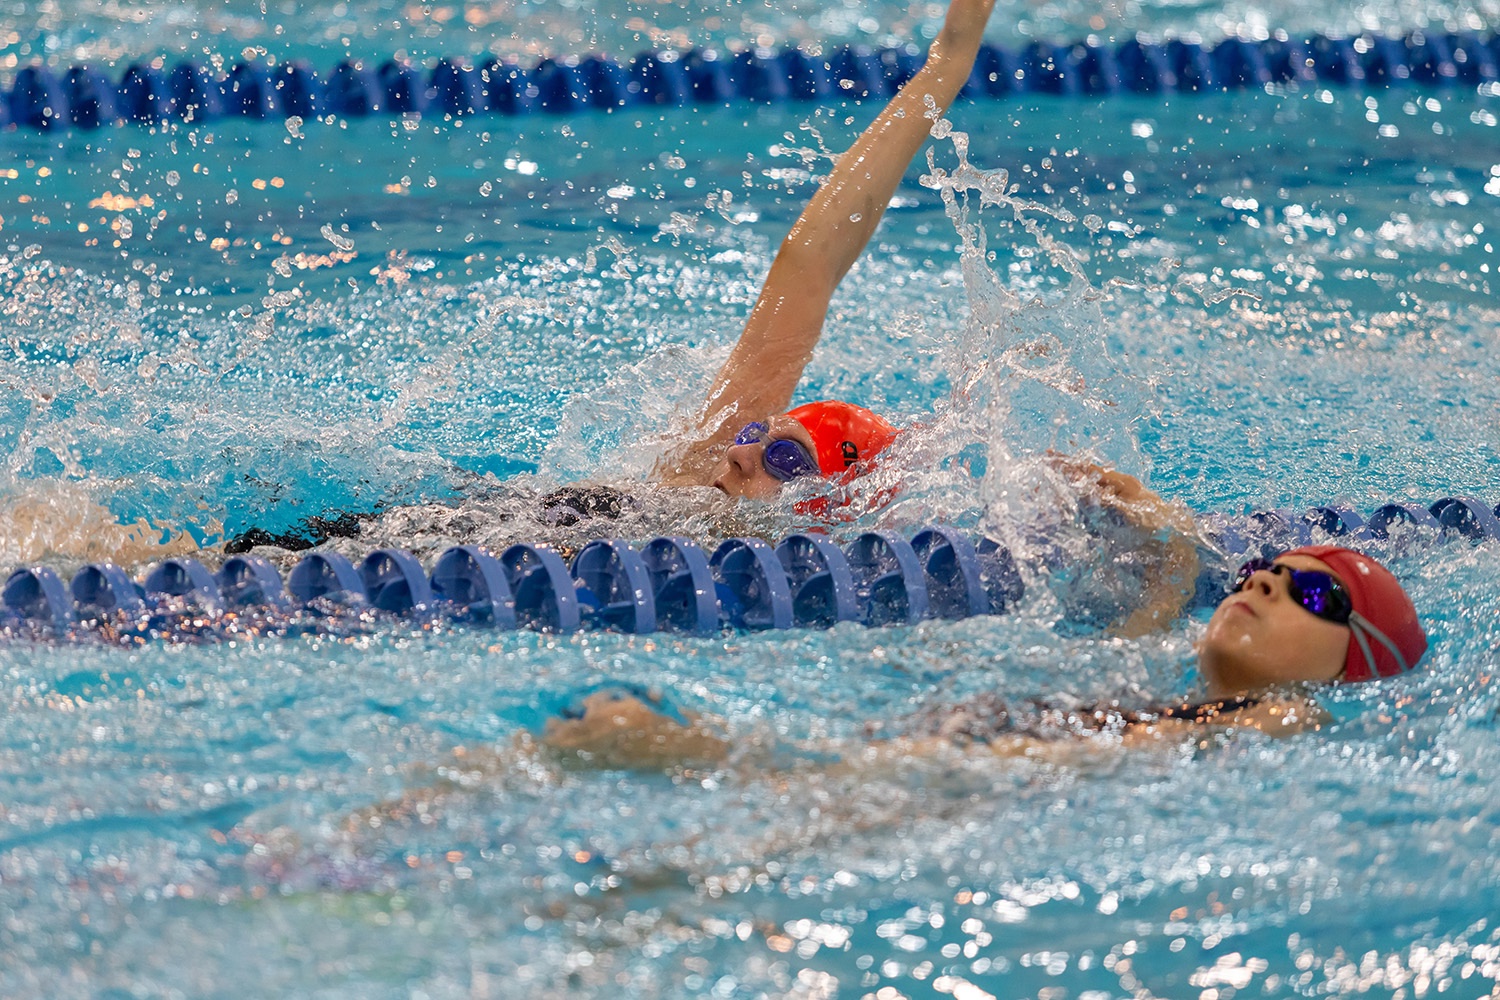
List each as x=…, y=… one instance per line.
x=1319, y=592
x=783, y=458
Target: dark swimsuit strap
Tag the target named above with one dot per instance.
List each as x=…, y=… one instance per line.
x=1198, y=712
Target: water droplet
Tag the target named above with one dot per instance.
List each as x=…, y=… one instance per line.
x=342, y=242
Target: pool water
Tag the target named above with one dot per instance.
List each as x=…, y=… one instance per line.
x=1256, y=300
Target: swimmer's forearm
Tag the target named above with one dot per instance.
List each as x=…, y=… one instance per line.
x=1177, y=574
x=842, y=216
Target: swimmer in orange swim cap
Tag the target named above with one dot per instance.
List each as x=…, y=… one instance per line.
x=749, y=443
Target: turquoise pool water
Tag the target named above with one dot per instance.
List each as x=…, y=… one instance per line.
x=1283, y=299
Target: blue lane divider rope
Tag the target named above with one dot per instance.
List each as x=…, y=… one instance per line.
x=84, y=97
x=670, y=584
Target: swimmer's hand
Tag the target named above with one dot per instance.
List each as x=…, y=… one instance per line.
x=1172, y=543
x=619, y=730
x=1120, y=489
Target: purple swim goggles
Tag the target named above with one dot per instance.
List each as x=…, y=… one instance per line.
x=783, y=458
x=1321, y=594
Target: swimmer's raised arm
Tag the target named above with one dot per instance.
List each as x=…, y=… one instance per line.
x=767, y=363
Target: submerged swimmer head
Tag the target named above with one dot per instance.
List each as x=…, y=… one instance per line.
x=1319, y=613
x=829, y=438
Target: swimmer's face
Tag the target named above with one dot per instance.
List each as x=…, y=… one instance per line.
x=743, y=473
x=1260, y=636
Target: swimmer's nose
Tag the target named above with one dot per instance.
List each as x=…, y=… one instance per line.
x=1267, y=581
x=745, y=457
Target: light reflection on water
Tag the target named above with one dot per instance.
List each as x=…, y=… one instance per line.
x=178, y=818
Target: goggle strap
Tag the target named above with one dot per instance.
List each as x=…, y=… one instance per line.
x=1362, y=627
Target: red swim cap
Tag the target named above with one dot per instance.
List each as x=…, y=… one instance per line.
x=1386, y=638
x=843, y=433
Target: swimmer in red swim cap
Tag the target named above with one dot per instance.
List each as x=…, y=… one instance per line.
x=749, y=444
x=1319, y=613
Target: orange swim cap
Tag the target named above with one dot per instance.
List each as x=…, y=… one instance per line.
x=843, y=433
x=1386, y=638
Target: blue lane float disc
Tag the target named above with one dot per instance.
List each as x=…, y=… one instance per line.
x=1467, y=517
x=998, y=573
x=196, y=96
x=955, y=584
x=1284, y=529
x=614, y=587
x=403, y=92
x=394, y=581
x=474, y=581
x=325, y=574
x=37, y=593
x=892, y=588
x=91, y=97
x=250, y=92
x=84, y=96
x=1337, y=522
x=543, y=589
x=455, y=88
x=37, y=99
x=182, y=578
x=682, y=584
x=753, y=589
x=105, y=587
x=1416, y=517
x=822, y=584
x=353, y=90
x=248, y=581
x=144, y=98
